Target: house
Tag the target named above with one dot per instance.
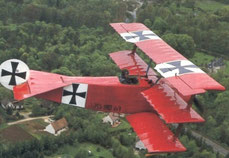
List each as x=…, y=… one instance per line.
x=12, y=105
x=112, y=118
x=57, y=127
x=216, y=65
x=139, y=145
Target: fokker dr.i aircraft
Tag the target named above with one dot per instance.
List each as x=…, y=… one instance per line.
x=151, y=102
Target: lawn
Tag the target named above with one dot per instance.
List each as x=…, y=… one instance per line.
x=35, y=127
x=227, y=67
x=124, y=125
x=70, y=151
x=201, y=59
x=2, y=126
x=209, y=5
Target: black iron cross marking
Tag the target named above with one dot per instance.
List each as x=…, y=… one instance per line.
x=13, y=74
x=140, y=35
x=177, y=65
x=74, y=94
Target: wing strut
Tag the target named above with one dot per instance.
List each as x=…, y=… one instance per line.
x=148, y=67
x=134, y=49
x=178, y=130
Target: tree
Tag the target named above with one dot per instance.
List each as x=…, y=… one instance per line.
x=223, y=13
x=63, y=71
x=160, y=25
x=183, y=43
x=37, y=110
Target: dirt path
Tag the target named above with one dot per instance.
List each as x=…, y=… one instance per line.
x=29, y=119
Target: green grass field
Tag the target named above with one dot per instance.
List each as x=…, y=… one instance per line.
x=35, y=128
x=2, y=126
x=209, y=5
x=201, y=59
x=70, y=151
x=122, y=127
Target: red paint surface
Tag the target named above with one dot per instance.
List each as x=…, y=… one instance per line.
x=170, y=106
x=121, y=98
x=159, y=51
x=154, y=134
x=128, y=27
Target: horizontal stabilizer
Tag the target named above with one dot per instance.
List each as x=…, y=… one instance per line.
x=39, y=82
x=170, y=106
x=154, y=134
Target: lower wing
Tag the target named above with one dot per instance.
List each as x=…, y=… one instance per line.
x=154, y=134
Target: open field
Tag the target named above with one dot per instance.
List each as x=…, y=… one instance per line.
x=35, y=127
x=14, y=134
x=23, y=131
x=124, y=125
x=209, y=5
x=201, y=59
x=70, y=151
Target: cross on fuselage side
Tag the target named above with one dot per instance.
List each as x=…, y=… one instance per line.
x=74, y=93
x=177, y=65
x=13, y=74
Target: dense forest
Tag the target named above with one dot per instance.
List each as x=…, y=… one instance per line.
x=73, y=37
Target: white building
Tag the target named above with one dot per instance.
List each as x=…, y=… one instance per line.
x=57, y=127
x=112, y=118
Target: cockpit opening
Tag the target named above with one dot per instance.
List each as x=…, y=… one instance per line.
x=125, y=78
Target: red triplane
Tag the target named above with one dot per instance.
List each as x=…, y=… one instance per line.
x=151, y=101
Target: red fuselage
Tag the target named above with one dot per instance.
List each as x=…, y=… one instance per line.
x=108, y=94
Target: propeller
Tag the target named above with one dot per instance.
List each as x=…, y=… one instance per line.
x=198, y=104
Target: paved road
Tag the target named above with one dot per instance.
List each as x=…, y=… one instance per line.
x=216, y=147
x=29, y=119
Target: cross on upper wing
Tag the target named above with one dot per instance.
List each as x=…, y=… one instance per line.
x=176, y=68
x=139, y=36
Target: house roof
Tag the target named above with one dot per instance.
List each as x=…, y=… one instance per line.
x=113, y=116
x=59, y=124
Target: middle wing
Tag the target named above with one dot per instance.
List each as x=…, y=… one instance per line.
x=132, y=62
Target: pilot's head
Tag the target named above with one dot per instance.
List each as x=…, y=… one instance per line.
x=125, y=73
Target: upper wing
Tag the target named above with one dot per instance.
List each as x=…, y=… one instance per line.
x=154, y=134
x=182, y=74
